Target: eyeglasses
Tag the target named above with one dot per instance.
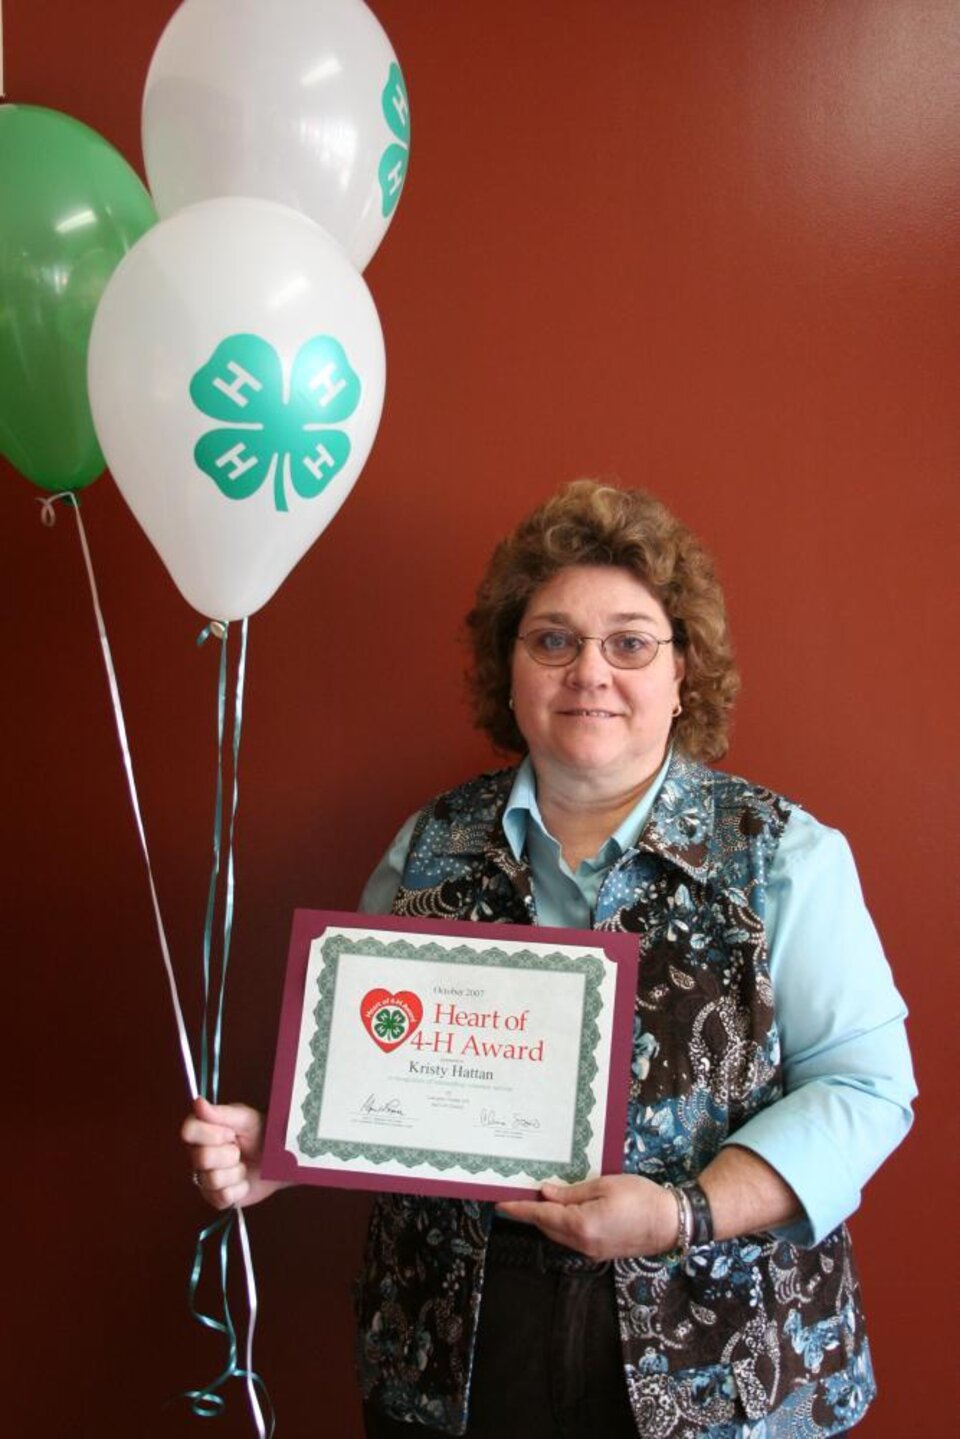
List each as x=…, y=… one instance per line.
x=624, y=649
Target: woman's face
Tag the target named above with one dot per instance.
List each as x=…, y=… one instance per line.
x=588, y=720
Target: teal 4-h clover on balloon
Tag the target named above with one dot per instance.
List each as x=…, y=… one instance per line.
x=267, y=438
x=393, y=162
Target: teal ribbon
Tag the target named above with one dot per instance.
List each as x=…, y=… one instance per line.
x=208, y=1402
x=210, y=1045
x=228, y=903
x=222, y=634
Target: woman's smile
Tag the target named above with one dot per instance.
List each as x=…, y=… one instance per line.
x=581, y=713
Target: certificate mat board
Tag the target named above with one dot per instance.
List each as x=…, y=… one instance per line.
x=437, y=1057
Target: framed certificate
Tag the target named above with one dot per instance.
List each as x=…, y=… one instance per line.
x=432, y=1057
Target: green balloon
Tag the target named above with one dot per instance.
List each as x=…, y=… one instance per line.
x=70, y=208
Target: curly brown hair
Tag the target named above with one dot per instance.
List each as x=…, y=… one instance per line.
x=589, y=523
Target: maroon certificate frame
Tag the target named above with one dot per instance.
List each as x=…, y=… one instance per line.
x=437, y=1084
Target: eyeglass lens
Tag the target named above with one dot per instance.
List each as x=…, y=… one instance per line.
x=624, y=649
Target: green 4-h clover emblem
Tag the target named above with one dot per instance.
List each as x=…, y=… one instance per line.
x=393, y=162
x=268, y=437
x=390, y=1024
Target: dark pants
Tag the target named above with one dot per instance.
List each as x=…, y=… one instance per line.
x=548, y=1363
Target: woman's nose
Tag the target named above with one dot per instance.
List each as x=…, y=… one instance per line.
x=590, y=666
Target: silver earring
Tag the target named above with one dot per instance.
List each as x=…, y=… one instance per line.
x=510, y=702
x=677, y=709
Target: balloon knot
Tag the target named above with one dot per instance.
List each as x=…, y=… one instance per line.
x=217, y=628
x=48, y=515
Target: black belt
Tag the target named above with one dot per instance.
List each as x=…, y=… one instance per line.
x=522, y=1246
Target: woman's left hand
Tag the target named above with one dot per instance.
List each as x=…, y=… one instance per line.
x=613, y=1217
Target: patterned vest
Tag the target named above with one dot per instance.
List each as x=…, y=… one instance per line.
x=751, y=1338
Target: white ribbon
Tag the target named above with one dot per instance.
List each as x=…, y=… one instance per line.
x=48, y=517
x=251, y=1324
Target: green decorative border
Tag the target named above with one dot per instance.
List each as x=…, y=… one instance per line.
x=332, y=949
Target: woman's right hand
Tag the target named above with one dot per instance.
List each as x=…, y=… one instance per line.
x=226, y=1146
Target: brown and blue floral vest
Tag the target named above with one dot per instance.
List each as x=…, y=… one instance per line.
x=752, y=1338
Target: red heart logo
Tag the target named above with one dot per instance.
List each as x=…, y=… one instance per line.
x=390, y=1019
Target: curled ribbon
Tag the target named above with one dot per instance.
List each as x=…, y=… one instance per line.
x=207, y=1402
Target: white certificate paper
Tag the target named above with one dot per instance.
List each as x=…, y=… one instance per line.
x=450, y=1057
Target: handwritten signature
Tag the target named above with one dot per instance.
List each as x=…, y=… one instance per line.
x=372, y=1105
x=490, y=1119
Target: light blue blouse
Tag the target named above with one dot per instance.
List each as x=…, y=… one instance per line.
x=846, y=1065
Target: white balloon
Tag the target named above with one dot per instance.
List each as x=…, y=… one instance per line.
x=299, y=101
x=236, y=375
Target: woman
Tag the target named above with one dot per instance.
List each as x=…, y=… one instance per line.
x=708, y=1291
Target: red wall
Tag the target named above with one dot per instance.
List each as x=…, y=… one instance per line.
x=707, y=248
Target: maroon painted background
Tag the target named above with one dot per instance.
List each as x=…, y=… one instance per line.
x=707, y=248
